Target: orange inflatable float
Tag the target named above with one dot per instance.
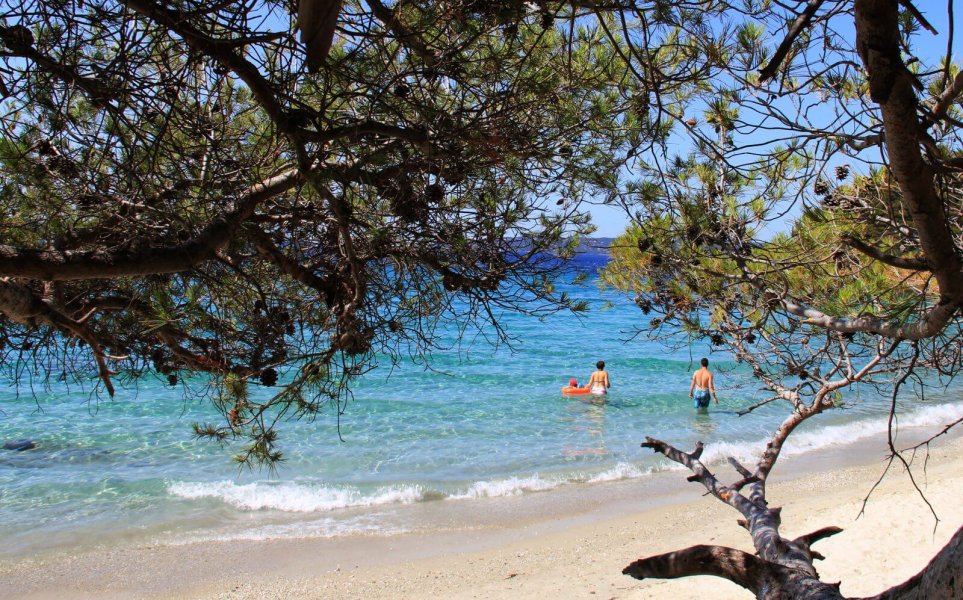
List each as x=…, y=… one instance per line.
x=571, y=390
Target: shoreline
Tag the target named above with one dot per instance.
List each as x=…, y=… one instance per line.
x=568, y=542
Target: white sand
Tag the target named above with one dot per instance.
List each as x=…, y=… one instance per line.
x=556, y=557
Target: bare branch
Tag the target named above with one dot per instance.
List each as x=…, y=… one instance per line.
x=762, y=403
x=932, y=322
x=820, y=534
x=946, y=429
x=700, y=472
x=948, y=97
x=738, y=467
x=801, y=22
x=908, y=5
x=735, y=565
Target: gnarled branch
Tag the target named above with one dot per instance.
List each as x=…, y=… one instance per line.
x=54, y=265
x=820, y=534
x=735, y=565
x=932, y=322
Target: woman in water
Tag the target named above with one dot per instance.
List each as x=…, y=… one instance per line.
x=599, y=381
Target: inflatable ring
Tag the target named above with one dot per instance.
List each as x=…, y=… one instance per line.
x=570, y=390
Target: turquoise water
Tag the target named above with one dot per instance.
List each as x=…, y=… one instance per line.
x=484, y=422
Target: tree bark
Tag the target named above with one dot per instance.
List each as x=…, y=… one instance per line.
x=783, y=568
x=891, y=86
x=317, y=20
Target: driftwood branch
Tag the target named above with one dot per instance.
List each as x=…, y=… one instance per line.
x=734, y=565
x=747, y=476
x=701, y=474
x=766, y=579
x=820, y=534
x=739, y=468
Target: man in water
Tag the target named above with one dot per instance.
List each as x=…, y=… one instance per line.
x=701, y=386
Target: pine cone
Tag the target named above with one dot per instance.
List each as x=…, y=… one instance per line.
x=268, y=377
x=831, y=201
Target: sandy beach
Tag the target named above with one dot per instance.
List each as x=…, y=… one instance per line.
x=563, y=545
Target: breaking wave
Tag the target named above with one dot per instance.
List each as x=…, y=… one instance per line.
x=312, y=497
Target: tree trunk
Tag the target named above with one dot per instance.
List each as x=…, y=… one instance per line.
x=891, y=86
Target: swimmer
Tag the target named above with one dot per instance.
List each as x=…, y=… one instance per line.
x=599, y=381
x=702, y=385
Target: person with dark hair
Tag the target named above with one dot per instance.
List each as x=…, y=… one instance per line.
x=599, y=381
x=702, y=386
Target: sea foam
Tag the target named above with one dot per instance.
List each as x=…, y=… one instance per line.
x=932, y=418
x=622, y=470
x=508, y=487
x=322, y=528
x=294, y=496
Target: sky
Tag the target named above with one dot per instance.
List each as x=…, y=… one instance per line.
x=611, y=221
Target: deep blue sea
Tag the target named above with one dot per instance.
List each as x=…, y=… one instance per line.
x=483, y=422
